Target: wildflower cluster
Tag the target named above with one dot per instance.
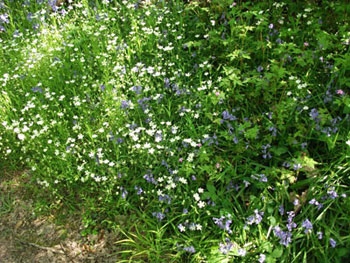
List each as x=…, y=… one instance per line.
x=224, y=126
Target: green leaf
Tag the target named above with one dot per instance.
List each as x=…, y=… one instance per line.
x=270, y=259
x=279, y=150
x=309, y=163
x=212, y=190
x=272, y=220
x=277, y=253
x=252, y=133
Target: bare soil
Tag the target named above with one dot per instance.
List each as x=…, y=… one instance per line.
x=30, y=238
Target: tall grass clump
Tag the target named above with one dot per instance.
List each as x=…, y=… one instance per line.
x=221, y=129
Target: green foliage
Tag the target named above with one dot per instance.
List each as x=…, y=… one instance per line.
x=201, y=130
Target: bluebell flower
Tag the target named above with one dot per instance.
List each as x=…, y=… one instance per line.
x=262, y=258
x=285, y=237
x=149, y=178
x=241, y=252
x=125, y=104
x=226, y=247
x=224, y=223
x=332, y=242
x=137, y=89
x=314, y=114
x=189, y=249
x=281, y=210
x=256, y=218
x=307, y=225
x=260, y=68
x=139, y=190
x=165, y=198
x=37, y=89
x=331, y=193
x=159, y=215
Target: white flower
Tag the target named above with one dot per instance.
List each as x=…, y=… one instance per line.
x=182, y=180
x=137, y=146
x=196, y=197
x=21, y=137
x=181, y=228
x=201, y=204
x=348, y=142
x=200, y=190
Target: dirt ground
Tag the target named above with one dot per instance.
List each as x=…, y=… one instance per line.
x=28, y=238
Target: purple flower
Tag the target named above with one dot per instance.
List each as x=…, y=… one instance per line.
x=223, y=225
x=332, y=194
x=36, y=89
x=124, y=194
x=314, y=114
x=256, y=218
x=4, y=19
x=149, y=178
x=291, y=224
x=139, y=190
x=241, y=252
x=227, y=116
x=125, y=104
x=332, y=242
x=36, y=26
x=189, y=249
x=307, y=225
x=30, y=17
x=260, y=177
x=319, y=235
x=297, y=166
x=165, y=198
x=226, y=247
x=281, y=210
x=262, y=258
x=159, y=215
x=285, y=237
x=260, y=68
x=137, y=89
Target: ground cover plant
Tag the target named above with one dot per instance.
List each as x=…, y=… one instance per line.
x=221, y=129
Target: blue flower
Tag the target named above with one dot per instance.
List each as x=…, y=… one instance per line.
x=332, y=242
x=225, y=248
x=159, y=215
x=285, y=237
x=307, y=225
x=262, y=258
x=189, y=249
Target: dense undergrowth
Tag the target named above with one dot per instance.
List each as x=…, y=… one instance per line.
x=221, y=128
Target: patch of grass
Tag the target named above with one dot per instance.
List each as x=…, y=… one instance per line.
x=204, y=130
x=6, y=203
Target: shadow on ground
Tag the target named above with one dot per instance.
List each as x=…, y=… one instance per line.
x=26, y=237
